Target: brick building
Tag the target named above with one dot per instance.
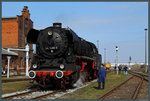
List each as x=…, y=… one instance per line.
x=14, y=32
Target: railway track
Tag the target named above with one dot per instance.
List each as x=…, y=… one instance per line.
x=33, y=94
x=47, y=95
x=145, y=77
x=20, y=94
x=132, y=88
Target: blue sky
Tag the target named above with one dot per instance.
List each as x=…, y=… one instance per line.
x=112, y=23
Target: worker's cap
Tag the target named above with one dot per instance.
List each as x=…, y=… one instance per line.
x=102, y=64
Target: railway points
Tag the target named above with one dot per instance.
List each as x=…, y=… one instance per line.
x=130, y=89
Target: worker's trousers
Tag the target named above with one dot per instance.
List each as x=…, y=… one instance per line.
x=99, y=85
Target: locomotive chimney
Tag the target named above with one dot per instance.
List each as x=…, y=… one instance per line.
x=57, y=25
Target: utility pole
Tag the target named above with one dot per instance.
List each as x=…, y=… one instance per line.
x=129, y=62
x=117, y=58
x=145, y=49
x=98, y=45
x=104, y=55
x=117, y=55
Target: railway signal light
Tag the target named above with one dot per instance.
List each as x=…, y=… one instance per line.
x=117, y=48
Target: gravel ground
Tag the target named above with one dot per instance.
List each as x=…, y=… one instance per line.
x=34, y=94
x=143, y=93
x=69, y=90
x=14, y=93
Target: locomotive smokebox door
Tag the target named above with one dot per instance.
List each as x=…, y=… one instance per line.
x=32, y=36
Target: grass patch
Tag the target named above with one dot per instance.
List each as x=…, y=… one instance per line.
x=14, y=77
x=90, y=91
x=16, y=86
x=145, y=73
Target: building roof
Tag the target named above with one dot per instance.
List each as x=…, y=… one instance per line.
x=5, y=52
x=9, y=17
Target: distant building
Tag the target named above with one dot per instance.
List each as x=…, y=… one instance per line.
x=14, y=32
x=140, y=63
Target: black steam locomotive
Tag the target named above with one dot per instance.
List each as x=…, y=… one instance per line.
x=61, y=56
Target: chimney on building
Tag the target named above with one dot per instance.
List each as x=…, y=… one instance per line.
x=25, y=12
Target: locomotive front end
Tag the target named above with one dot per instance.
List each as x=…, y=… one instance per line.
x=51, y=46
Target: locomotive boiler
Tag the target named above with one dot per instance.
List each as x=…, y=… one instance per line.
x=61, y=57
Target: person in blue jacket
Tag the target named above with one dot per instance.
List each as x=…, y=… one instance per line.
x=101, y=77
x=125, y=70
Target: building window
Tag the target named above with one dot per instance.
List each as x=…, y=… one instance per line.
x=8, y=32
x=26, y=22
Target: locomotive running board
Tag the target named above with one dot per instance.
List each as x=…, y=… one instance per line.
x=84, y=57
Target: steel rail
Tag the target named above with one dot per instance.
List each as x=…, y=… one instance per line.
x=137, y=90
x=20, y=94
x=139, y=75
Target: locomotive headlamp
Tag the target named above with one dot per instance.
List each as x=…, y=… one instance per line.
x=32, y=74
x=59, y=74
x=34, y=66
x=62, y=66
x=50, y=33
